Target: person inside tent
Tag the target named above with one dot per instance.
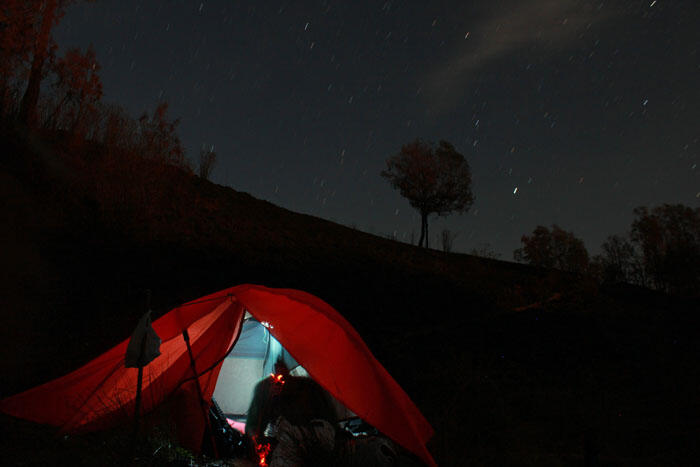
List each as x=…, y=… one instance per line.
x=293, y=419
x=292, y=422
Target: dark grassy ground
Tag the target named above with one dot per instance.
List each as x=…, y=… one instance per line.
x=607, y=374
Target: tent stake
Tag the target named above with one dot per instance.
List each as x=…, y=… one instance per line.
x=202, y=404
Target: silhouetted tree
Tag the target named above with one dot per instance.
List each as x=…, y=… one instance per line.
x=668, y=238
x=553, y=249
x=207, y=159
x=618, y=261
x=158, y=138
x=117, y=130
x=434, y=179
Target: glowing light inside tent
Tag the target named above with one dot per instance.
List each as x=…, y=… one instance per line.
x=277, y=379
x=262, y=450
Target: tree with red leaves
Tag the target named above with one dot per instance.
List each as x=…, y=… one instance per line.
x=434, y=179
x=17, y=37
x=47, y=13
x=78, y=89
x=27, y=49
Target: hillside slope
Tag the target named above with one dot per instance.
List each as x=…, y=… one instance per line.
x=512, y=365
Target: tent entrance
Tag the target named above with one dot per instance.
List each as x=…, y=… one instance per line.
x=252, y=358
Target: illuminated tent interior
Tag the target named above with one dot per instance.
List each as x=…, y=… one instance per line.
x=253, y=358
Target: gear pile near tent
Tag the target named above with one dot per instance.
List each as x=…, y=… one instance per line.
x=306, y=330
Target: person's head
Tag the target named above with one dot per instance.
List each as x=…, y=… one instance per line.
x=297, y=399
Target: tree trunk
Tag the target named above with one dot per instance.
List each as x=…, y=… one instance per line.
x=423, y=229
x=427, y=235
x=28, y=111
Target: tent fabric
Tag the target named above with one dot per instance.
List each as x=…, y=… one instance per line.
x=102, y=392
x=255, y=341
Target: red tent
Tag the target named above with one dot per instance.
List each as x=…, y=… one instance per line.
x=102, y=393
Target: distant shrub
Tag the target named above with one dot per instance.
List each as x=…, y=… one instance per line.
x=447, y=238
x=485, y=250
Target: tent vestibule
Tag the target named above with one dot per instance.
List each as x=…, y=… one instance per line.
x=306, y=332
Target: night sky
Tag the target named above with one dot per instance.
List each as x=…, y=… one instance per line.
x=588, y=108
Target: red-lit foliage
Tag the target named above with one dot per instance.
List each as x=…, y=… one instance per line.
x=158, y=139
x=18, y=20
x=127, y=166
x=78, y=90
x=27, y=54
x=47, y=14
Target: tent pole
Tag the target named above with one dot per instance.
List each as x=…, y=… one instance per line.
x=139, y=385
x=139, y=380
x=137, y=414
x=202, y=404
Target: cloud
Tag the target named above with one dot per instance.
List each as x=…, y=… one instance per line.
x=551, y=25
